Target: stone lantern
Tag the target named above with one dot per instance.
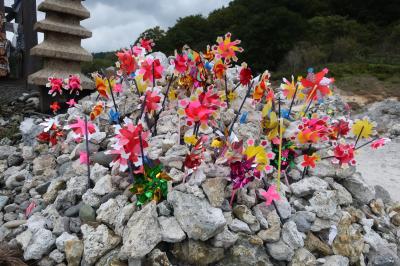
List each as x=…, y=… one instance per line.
x=61, y=48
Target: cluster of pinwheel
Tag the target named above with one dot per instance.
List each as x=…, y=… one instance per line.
x=213, y=100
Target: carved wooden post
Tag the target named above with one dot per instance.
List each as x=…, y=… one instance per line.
x=61, y=49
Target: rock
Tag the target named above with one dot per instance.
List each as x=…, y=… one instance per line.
x=87, y=214
x=383, y=257
x=382, y=193
x=62, y=239
x=196, y=216
x=324, y=168
x=249, y=199
x=336, y=260
x=6, y=151
x=158, y=258
x=244, y=213
x=104, y=186
x=238, y=226
x=61, y=225
x=102, y=159
x=122, y=219
x=39, y=244
x=303, y=257
x=24, y=238
x=44, y=165
x=291, y=236
x=176, y=175
x=42, y=188
x=196, y=252
x=284, y=208
x=359, y=189
x=377, y=207
x=308, y=186
x=3, y=201
x=225, y=239
x=14, y=224
x=171, y=232
x=15, y=160
x=349, y=241
x=108, y=211
x=97, y=171
x=141, y=234
x=314, y=244
x=73, y=252
x=75, y=224
x=52, y=191
x=73, y=210
x=97, y=242
x=163, y=208
x=57, y=256
x=90, y=198
x=303, y=220
x=17, y=178
x=273, y=233
x=214, y=188
x=395, y=219
x=323, y=203
x=258, y=213
x=280, y=250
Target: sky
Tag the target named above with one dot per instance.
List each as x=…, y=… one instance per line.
x=118, y=23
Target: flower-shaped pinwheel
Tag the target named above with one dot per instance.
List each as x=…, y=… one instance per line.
x=74, y=84
x=261, y=157
x=153, y=99
x=292, y=88
x=52, y=132
x=313, y=130
x=150, y=66
x=310, y=160
x=103, y=86
x=79, y=129
x=343, y=154
x=262, y=87
x=147, y=44
x=316, y=86
x=363, y=128
x=226, y=48
x=127, y=62
x=339, y=128
x=56, y=85
x=270, y=195
x=55, y=106
x=181, y=63
x=379, y=143
x=245, y=75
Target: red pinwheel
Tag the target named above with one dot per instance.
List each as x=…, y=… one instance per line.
x=127, y=61
x=147, y=44
x=147, y=69
x=317, y=85
x=245, y=75
x=181, y=63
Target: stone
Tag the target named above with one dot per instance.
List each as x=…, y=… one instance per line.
x=52, y=191
x=323, y=203
x=73, y=210
x=196, y=216
x=214, y=188
x=280, y=251
x=39, y=244
x=383, y=257
x=108, y=211
x=75, y=224
x=42, y=188
x=225, y=239
x=258, y=213
x=244, y=213
x=15, y=160
x=11, y=207
x=44, y=165
x=111, y=258
x=273, y=233
x=57, y=256
x=157, y=258
x=176, y=175
x=284, y=208
x=197, y=252
x=307, y=186
x=382, y=193
x=62, y=239
x=291, y=236
x=97, y=171
x=122, y=219
x=238, y=226
x=17, y=178
x=73, y=252
x=102, y=159
x=90, y=198
x=87, y=214
x=358, y=188
x=6, y=151
x=163, y=208
x=141, y=234
x=104, y=186
x=336, y=260
x=303, y=220
x=3, y=201
x=97, y=242
x=171, y=232
x=314, y=244
x=24, y=238
x=245, y=197
x=61, y=225
x=303, y=257
x=349, y=241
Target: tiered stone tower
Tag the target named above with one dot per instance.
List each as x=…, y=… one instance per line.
x=61, y=49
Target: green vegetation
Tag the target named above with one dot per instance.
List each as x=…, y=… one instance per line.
x=358, y=37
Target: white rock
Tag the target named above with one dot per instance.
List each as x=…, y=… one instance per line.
x=308, y=186
x=291, y=236
x=39, y=245
x=104, y=186
x=171, y=231
x=60, y=241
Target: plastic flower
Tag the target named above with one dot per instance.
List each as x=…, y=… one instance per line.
x=317, y=85
x=153, y=100
x=181, y=63
x=226, y=48
x=127, y=62
x=220, y=69
x=117, y=88
x=55, y=106
x=262, y=87
x=71, y=103
x=102, y=86
x=289, y=89
x=313, y=130
x=52, y=133
x=79, y=129
x=379, y=143
x=245, y=75
x=56, y=85
x=96, y=111
x=84, y=157
x=146, y=69
x=74, y=84
x=363, y=128
x=309, y=161
x=196, y=112
x=261, y=157
x=344, y=154
x=270, y=195
x=340, y=128
x=243, y=172
x=191, y=140
x=194, y=159
x=147, y=44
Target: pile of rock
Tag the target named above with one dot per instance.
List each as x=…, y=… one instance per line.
x=51, y=210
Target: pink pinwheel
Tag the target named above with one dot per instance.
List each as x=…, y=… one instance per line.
x=181, y=63
x=127, y=61
x=153, y=100
x=84, y=157
x=196, y=112
x=117, y=88
x=71, y=103
x=79, y=129
x=379, y=143
x=317, y=85
x=270, y=195
x=74, y=84
x=344, y=154
x=146, y=69
x=147, y=44
x=56, y=85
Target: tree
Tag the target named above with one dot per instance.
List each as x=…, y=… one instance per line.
x=155, y=34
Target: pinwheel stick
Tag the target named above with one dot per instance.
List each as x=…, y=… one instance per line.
x=154, y=77
x=226, y=92
x=365, y=144
x=141, y=148
x=293, y=99
x=280, y=154
x=87, y=147
x=240, y=108
x=359, y=136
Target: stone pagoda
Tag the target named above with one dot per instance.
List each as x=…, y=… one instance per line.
x=61, y=49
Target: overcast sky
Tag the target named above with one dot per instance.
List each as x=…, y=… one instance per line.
x=117, y=23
